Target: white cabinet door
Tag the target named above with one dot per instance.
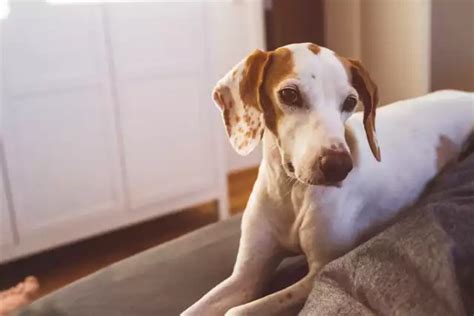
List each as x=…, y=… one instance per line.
x=60, y=140
x=163, y=96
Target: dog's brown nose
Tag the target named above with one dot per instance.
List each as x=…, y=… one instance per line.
x=335, y=165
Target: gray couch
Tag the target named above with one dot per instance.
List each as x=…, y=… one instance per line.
x=421, y=265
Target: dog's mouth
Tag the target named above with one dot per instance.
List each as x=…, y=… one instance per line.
x=321, y=183
x=329, y=184
x=291, y=172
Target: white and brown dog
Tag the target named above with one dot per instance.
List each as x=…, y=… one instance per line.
x=319, y=189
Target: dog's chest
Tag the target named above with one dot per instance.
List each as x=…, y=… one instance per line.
x=325, y=224
x=335, y=226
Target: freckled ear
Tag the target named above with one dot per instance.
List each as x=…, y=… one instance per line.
x=368, y=94
x=237, y=96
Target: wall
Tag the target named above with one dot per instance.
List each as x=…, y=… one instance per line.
x=452, y=44
x=392, y=39
x=290, y=22
x=396, y=46
x=342, y=27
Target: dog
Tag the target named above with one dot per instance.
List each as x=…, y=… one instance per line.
x=322, y=188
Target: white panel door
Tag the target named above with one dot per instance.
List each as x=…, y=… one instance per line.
x=60, y=142
x=158, y=54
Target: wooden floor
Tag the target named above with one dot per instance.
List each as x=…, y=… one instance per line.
x=64, y=265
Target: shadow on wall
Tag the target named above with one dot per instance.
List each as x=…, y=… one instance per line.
x=391, y=38
x=452, y=45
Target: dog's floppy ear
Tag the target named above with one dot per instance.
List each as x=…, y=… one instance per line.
x=368, y=94
x=237, y=96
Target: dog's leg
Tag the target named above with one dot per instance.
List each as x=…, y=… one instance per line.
x=259, y=255
x=288, y=301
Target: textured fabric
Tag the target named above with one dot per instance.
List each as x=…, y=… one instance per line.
x=422, y=265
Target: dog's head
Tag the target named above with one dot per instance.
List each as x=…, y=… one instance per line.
x=302, y=94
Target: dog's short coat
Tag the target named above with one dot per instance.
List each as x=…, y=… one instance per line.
x=322, y=187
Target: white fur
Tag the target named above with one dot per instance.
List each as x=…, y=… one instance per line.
x=285, y=216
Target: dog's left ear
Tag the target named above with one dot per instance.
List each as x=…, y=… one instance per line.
x=368, y=94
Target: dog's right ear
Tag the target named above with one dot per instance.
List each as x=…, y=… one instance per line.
x=368, y=94
x=237, y=95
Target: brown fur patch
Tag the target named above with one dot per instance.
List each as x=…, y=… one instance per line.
x=279, y=67
x=445, y=151
x=368, y=94
x=362, y=80
x=254, y=133
x=314, y=48
x=252, y=76
x=223, y=98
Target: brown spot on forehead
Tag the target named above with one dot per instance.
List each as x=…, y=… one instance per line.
x=279, y=67
x=314, y=48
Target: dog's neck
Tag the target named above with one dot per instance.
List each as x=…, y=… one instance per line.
x=289, y=195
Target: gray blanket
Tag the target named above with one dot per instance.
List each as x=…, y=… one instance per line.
x=422, y=265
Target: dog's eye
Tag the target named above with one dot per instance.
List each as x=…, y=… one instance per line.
x=290, y=96
x=349, y=103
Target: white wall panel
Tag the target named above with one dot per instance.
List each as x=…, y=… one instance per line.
x=158, y=57
x=59, y=142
